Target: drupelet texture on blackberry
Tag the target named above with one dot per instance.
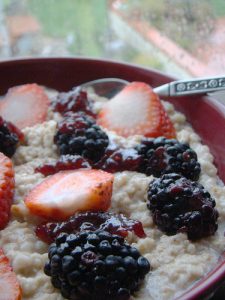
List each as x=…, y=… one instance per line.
x=95, y=266
x=75, y=100
x=8, y=139
x=78, y=134
x=181, y=205
x=162, y=156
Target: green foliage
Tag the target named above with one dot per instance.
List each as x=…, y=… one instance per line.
x=4, y=3
x=85, y=20
x=218, y=7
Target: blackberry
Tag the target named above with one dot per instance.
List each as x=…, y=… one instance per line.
x=73, y=101
x=162, y=156
x=8, y=138
x=181, y=205
x=95, y=266
x=79, y=134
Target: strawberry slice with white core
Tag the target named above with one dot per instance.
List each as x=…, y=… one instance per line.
x=7, y=185
x=135, y=110
x=65, y=193
x=9, y=285
x=25, y=105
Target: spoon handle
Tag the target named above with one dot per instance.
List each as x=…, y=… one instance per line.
x=191, y=87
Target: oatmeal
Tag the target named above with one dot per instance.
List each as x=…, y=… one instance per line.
x=176, y=262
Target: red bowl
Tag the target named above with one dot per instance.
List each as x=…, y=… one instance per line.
x=206, y=115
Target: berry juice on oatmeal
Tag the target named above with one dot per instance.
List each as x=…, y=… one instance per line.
x=113, y=199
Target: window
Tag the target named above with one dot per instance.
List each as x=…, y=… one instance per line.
x=182, y=38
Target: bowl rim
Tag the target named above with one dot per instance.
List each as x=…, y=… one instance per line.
x=85, y=58
x=216, y=277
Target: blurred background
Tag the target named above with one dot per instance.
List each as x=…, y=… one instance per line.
x=182, y=38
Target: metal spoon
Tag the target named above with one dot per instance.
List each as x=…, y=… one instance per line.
x=108, y=87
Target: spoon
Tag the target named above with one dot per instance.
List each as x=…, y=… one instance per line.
x=109, y=87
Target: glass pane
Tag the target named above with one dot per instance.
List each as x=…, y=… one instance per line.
x=183, y=38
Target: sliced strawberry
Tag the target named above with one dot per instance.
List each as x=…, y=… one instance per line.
x=7, y=185
x=167, y=128
x=135, y=110
x=25, y=105
x=64, y=193
x=9, y=285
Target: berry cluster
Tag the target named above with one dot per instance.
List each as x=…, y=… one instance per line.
x=79, y=134
x=181, y=205
x=152, y=156
x=95, y=265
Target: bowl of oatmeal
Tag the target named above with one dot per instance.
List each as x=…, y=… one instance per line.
x=185, y=263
